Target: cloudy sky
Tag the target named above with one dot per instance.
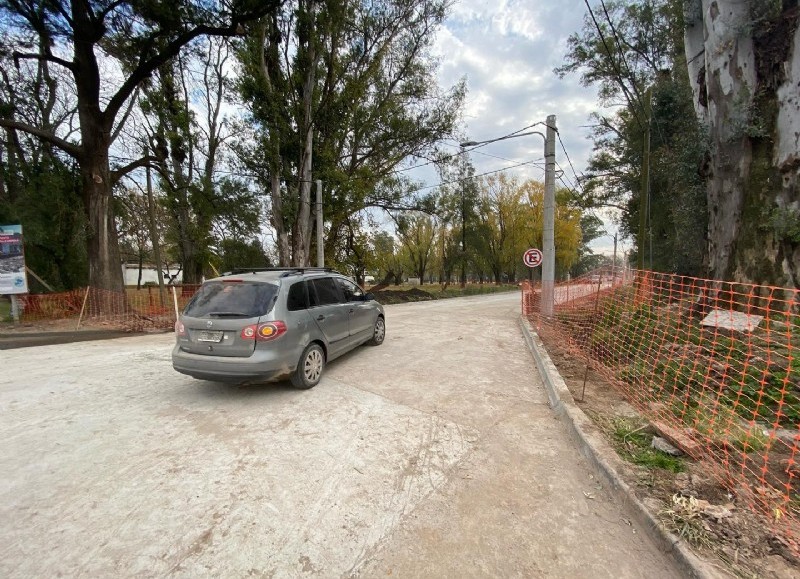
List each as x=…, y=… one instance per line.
x=507, y=50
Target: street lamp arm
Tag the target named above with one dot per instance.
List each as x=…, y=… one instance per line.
x=475, y=143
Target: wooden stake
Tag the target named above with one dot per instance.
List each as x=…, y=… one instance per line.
x=175, y=301
x=83, y=307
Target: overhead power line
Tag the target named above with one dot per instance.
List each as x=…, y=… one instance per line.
x=563, y=148
x=535, y=162
x=466, y=150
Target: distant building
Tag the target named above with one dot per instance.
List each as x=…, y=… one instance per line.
x=173, y=274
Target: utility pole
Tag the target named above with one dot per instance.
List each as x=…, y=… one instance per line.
x=614, y=263
x=548, y=233
x=320, y=242
x=151, y=222
x=644, y=199
x=463, y=238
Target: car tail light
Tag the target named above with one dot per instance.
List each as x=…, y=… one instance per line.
x=263, y=332
x=180, y=329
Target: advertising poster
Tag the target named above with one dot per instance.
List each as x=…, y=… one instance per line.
x=12, y=261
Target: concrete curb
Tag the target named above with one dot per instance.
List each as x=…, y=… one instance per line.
x=607, y=463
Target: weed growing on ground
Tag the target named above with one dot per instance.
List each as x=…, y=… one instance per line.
x=684, y=518
x=5, y=311
x=633, y=443
x=716, y=420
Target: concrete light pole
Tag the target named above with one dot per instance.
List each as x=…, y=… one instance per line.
x=548, y=233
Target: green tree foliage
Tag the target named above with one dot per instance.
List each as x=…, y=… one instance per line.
x=39, y=185
x=355, y=254
x=236, y=253
x=625, y=48
x=389, y=260
x=133, y=40
x=567, y=232
x=458, y=209
x=506, y=222
x=188, y=134
x=587, y=260
x=417, y=232
x=41, y=197
x=342, y=92
x=503, y=218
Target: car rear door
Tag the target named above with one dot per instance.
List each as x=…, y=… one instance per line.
x=216, y=316
x=328, y=311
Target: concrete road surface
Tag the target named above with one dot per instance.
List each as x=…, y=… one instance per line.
x=433, y=455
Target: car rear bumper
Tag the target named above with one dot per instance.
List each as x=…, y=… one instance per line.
x=262, y=366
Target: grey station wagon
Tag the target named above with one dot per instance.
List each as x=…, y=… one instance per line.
x=272, y=324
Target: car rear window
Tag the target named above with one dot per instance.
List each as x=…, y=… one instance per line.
x=298, y=297
x=219, y=299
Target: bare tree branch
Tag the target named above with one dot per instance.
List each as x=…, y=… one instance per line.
x=48, y=57
x=149, y=160
x=146, y=68
x=125, y=116
x=71, y=149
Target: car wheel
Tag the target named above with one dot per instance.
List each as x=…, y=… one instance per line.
x=309, y=369
x=379, y=333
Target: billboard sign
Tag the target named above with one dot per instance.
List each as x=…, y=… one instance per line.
x=12, y=261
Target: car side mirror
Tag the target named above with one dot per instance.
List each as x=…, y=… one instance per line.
x=369, y=296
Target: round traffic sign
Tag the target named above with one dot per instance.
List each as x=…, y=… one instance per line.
x=532, y=258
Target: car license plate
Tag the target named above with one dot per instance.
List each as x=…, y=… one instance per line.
x=207, y=336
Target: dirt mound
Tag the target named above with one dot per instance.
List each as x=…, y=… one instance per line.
x=400, y=296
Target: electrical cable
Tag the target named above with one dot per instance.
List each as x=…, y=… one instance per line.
x=467, y=150
x=533, y=162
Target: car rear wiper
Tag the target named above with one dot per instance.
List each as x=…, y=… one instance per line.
x=229, y=314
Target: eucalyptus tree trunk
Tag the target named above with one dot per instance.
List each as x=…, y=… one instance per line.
x=301, y=234
x=105, y=267
x=744, y=68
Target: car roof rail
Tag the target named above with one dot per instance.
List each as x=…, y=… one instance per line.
x=286, y=270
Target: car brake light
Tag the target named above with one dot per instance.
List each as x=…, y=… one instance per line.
x=263, y=332
x=180, y=329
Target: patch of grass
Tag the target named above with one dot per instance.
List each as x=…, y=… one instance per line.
x=471, y=290
x=5, y=310
x=719, y=422
x=634, y=445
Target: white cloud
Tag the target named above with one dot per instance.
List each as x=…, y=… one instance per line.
x=507, y=51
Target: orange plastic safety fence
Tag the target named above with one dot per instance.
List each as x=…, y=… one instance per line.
x=714, y=365
x=132, y=310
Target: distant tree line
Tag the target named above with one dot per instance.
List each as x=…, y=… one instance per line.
x=93, y=94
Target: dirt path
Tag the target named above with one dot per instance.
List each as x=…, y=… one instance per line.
x=434, y=455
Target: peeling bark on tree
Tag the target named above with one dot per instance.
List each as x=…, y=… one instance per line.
x=301, y=236
x=744, y=67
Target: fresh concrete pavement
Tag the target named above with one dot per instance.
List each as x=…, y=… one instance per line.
x=433, y=455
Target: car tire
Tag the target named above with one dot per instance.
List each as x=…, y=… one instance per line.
x=379, y=333
x=309, y=368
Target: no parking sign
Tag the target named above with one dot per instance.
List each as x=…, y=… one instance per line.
x=532, y=257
